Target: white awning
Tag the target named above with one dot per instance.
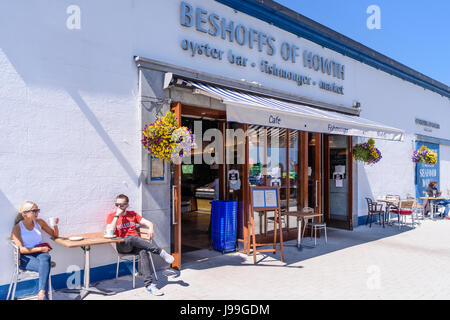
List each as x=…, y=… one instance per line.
x=253, y=109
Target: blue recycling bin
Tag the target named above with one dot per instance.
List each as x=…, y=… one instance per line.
x=224, y=225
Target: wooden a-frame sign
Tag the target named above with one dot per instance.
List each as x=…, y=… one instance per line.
x=266, y=199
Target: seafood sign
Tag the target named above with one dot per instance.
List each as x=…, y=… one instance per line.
x=426, y=173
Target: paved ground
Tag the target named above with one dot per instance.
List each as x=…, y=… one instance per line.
x=367, y=263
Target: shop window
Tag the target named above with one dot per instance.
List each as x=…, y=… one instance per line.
x=268, y=166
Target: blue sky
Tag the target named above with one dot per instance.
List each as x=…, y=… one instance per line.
x=413, y=32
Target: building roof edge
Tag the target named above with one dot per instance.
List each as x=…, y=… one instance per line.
x=293, y=22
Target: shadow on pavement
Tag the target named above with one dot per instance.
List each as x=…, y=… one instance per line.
x=337, y=240
x=210, y=259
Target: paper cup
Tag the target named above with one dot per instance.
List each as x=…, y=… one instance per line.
x=52, y=221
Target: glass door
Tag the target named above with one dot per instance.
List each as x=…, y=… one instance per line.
x=338, y=181
x=314, y=172
x=294, y=176
x=268, y=166
x=235, y=181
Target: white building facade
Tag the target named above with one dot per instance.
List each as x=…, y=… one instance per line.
x=81, y=80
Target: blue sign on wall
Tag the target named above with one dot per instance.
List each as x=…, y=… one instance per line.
x=426, y=173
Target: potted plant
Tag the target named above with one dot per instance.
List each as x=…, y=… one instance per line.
x=164, y=140
x=366, y=152
x=424, y=155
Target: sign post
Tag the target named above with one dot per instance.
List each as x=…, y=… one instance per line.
x=266, y=199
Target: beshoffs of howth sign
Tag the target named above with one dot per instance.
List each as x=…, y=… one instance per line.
x=214, y=25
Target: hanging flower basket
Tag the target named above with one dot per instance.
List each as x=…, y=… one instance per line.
x=366, y=152
x=165, y=141
x=424, y=155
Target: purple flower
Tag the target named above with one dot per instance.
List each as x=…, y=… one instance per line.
x=377, y=159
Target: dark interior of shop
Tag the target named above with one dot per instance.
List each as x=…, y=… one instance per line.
x=197, y=194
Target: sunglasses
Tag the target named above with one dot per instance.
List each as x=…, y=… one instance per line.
x=34, y=211
x=121, y=204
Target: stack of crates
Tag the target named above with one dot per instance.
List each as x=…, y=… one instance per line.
x=224, y=225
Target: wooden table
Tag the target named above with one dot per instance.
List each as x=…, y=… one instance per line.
x=89, y=239
x=388, y=200
x=301, y=217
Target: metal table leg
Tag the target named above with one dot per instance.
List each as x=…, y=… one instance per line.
x=299, y=233
x=305, y=223
x=86, y=288
x=432, y=211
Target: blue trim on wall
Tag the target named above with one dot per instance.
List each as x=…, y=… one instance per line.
x=59, y=281
x=283, y=21
x=362, y=220
x=435, y=140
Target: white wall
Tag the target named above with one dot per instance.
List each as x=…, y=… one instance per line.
x=394, y=174
x=69, y=124
x=395, y=102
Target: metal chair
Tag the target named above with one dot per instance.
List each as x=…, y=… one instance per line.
x=20, y=274
x=439, y=209
x=420, y=212
x=393, y=199
x=284, y=219
x=372, y=209
x=318, y=225
x=133, y=258
x=406, y=208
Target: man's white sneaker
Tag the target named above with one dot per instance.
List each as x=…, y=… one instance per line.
x=167, y=257
x=154, y=290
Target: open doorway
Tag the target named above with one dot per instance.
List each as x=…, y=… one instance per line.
x=199, y=187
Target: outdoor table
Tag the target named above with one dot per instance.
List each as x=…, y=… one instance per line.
x=433, y=207
x=301, y=217
x=89, y=239
x=388, y=202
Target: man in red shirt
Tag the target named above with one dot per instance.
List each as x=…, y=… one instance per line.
x=124, y=223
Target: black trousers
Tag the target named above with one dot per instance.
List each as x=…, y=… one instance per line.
x=142, y=247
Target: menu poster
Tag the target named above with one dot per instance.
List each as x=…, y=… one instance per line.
x=271, y=198
x=265, y=198
x=258, y=199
